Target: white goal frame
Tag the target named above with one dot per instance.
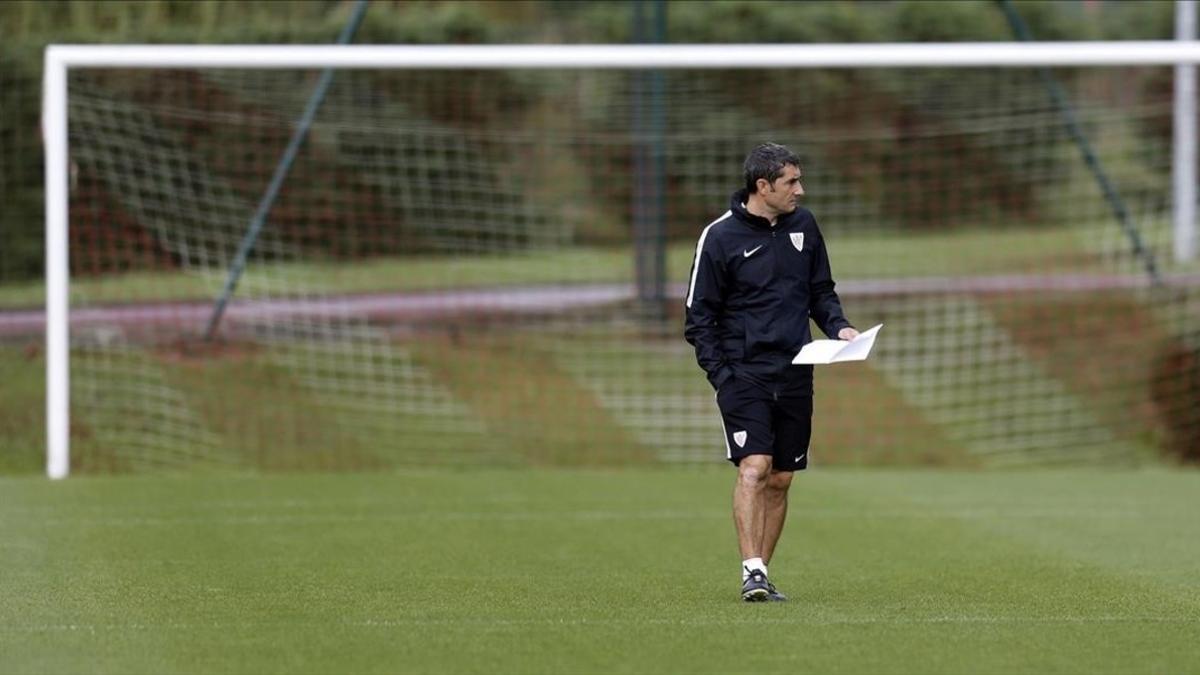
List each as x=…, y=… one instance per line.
x=59, y=59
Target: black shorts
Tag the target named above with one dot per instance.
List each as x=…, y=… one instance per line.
x=760, y=422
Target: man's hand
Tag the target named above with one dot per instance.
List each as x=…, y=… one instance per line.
x=847, y=333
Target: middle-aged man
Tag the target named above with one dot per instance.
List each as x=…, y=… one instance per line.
x=760, y=272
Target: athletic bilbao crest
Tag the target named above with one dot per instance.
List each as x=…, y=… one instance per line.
x=798, y=240
x=739, y=437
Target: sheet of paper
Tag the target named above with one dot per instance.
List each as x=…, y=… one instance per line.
x=819, y=351
x=834, y=351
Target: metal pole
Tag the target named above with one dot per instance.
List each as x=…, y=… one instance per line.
x=949, y=55
x=58, y=271
x=281, y=172
x=649, y=167
x=1184, y=146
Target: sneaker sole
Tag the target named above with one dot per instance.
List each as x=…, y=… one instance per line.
x=757, y=595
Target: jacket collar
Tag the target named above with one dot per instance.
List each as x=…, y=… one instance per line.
x=737, y=204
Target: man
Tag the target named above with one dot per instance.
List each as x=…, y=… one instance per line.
x=760, y=272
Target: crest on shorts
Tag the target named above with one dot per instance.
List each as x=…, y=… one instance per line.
x=739, y=437
x=798, y=240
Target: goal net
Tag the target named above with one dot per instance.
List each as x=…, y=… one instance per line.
x=486, y=266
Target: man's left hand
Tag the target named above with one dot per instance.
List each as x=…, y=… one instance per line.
x=847, y=333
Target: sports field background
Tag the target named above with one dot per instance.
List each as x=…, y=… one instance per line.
x=1007, y=486
x=552, y=571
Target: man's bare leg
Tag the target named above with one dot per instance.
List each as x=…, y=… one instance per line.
x=749, y=504
x=775, y=511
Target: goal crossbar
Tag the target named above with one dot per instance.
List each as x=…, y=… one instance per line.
x=864, y=55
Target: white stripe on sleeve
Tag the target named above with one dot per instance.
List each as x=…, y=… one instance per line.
x=696, y=262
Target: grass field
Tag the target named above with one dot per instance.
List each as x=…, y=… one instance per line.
x=1010, y=250
x=553, y=571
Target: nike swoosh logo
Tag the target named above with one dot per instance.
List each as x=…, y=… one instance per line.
x=747, y=254
x=800, y=457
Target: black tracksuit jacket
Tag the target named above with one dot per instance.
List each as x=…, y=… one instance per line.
x=752, y=290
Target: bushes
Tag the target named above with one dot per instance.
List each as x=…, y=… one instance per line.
x=20, y=169
x=30, y=26
x=1176, y=392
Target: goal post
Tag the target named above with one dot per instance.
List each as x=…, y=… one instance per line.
x=58, y=351
x=62, y=60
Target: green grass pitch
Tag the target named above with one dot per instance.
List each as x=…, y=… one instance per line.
x=555, y=571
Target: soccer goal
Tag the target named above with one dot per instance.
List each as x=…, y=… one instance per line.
x=467, y=256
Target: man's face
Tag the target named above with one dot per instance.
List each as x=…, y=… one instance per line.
x=783, y=195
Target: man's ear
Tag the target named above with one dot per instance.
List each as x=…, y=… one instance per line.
x=761, y=183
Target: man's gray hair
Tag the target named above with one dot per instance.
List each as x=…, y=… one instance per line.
x=767, y=161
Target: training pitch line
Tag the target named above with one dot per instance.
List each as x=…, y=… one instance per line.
x=416, y=307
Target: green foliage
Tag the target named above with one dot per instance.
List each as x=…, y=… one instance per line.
x=750, y=105
x=430, y=23
x=1143, y=20
x=935, y=21
x=765, y=22
x=20, y=168
x=1175, y=388
x=1059, y=21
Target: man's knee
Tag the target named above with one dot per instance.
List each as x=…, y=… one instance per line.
x=754, y=470
x=779, y=481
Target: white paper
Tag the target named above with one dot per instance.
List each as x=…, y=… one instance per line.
x=834, y=351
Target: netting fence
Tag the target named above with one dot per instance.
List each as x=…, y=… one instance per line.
x=448, y=276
